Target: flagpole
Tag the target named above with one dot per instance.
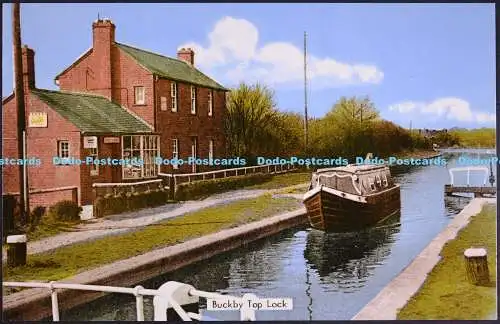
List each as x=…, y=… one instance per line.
x=305, y=96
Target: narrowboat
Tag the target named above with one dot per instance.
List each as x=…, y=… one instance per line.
x=351, y=197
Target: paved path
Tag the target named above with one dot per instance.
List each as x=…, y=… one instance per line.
x=117, y=224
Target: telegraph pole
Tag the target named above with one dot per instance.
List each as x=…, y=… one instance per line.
x=305, y=95
x=21, y=115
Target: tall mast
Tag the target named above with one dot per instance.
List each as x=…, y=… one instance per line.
x=21, y=114
x=305, y=94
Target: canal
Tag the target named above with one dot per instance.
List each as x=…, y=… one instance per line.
x=329, y=276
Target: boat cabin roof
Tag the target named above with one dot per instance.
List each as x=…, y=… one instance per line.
x=354, y=169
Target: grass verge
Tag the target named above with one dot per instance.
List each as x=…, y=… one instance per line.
x=70, y=260
x=446, y=293
x=50, y=228
x=283, y=180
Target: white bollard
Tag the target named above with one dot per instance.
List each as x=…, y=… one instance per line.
x=16, y=250
x=247, y=313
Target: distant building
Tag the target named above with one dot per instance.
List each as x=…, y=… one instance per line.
x=431, y=132
x=115, y=101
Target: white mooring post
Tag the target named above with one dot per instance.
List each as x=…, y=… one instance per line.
x=246, y=312
x=175, y=302
x=16, y=250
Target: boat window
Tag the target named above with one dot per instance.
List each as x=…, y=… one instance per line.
x=377, y=179
x=384, y=181
x=372, y=185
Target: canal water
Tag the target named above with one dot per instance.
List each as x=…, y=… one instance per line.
x=329, y=276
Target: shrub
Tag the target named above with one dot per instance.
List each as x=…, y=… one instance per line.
x=36, y=216
x=65, y=210
x=122, y=202
x=197, y=189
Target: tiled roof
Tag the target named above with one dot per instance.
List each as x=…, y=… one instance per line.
x=92, y=113
x=170, y=68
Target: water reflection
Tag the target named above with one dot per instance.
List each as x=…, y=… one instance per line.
x=345, y=260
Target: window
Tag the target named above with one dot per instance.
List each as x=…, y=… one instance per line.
x=63, y=149
x=210, y=102
x=140, y=97
x=175, y=152
x=193, y=100
x=194, y=152
x=173, y=95
x=139, y=153
x=163, y=103
x=94, y=167
x=210, y=149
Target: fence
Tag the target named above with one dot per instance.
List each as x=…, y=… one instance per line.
x=170, y=181
x=171, y=295
x=103, y=189
x=226, y=173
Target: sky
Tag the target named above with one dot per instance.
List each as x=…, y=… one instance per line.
x=431, y=65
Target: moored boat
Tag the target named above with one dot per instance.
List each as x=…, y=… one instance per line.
x=351, y=197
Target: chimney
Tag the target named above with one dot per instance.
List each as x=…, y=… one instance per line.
x=28, y=68
x=103, y=32
x=186, y=54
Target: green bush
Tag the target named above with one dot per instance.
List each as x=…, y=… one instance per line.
x=65, y=210
x=197, y=189
x=122, y=202
x=36, y=216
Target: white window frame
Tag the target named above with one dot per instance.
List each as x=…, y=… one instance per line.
x=149, y=149
x=193, y=100
x=173, y=96
x=137, y=95
x=163, y=103
x=94, y=167
x=175, y=151
x=61, y=150
x=210, y=101
x=194, y=152
x=210, y=149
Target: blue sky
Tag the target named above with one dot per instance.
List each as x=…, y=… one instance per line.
x=432, y=64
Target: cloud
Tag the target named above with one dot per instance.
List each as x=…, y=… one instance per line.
x=449, y=108
x=233, y=54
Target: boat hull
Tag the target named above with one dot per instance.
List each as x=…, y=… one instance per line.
x=329, y=211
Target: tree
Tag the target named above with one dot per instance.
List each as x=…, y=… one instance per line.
x=354, y=112
x=252, y=120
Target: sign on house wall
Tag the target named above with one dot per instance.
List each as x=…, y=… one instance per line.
x=90, y=142
x=37, y=119
x=111, y=140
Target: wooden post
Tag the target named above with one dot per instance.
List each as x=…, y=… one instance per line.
x=476, y=266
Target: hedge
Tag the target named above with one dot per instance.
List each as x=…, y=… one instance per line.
x=122, y=202
x=65, y=210
x=202, y=188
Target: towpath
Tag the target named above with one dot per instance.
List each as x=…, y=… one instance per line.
x=121, y=223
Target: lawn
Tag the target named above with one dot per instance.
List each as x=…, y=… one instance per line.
x=284, y=180
x=446, y=293
x=50, y=228
x=70, y=260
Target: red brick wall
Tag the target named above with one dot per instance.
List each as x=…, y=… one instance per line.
x=42, y=144
x=126, y=74
x=47, y=199
x=183, y=125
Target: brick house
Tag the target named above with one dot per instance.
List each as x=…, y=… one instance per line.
x=117, y=102
x=178, y=101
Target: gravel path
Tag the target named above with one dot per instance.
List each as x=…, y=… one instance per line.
x=117, y=224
